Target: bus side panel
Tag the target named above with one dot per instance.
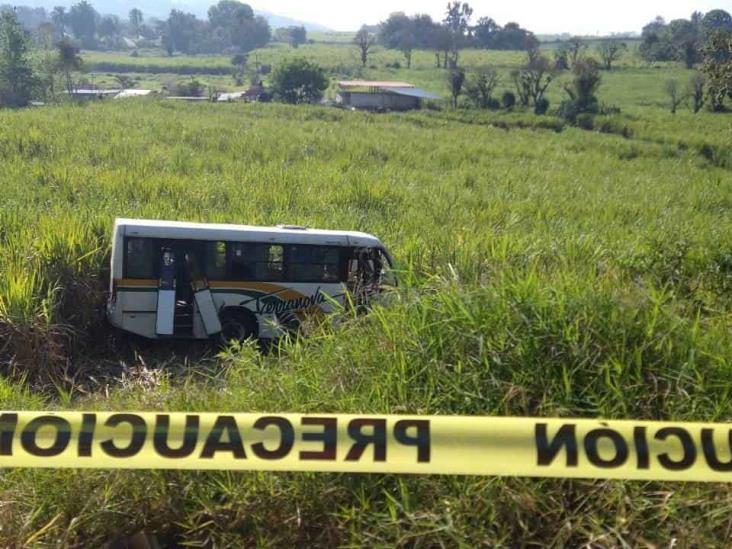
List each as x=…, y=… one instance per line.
x=138, y=308
x=275, y=304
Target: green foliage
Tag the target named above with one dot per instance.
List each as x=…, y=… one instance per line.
x=718, y=67
x=610, y=51
x=188, y=88
x=364, y=42
x=69, y=61
x=508, y=100
x=532, y=80
x=232, y=24
x=582, y=92
x=541, y=106
x=82, y=19
x=17, y=80
x=299, y=81
x=293, y=36
x=480, y=86
x=456, y=79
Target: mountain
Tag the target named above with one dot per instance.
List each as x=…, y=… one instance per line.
x=278, y=21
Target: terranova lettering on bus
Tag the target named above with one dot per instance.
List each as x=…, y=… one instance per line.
x=275, y=305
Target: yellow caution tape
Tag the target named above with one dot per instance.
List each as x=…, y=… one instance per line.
x=503, y=446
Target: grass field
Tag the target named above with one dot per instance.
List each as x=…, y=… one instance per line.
x=546, y=270
x=153, y=68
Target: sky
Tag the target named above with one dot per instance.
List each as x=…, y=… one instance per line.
x=541, y=17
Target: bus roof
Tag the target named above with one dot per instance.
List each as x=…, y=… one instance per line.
x=286, y=234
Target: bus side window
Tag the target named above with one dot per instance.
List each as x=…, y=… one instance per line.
x=215, y=260
x=308, y=263
x=242, y=260
x=257, y=262
x=140, y=258
x=274, y=266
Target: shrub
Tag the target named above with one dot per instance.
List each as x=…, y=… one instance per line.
x=607, y=124
x=585, y=121
x=541, y=106
x=192, y=88
x=299, y=81
x=568, y=111
x=479, y=87
x=508, y=100
x=493, y=104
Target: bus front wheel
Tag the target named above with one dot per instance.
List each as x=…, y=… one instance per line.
x=237, y=325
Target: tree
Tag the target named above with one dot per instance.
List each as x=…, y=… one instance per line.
x=135, y=19
x=561, y=59
x=58, y=20
x=716, y=20
x=240, y=62
x=364, y=41
x=441, y=42
x=235, y=25
x=297, y=36
x=486, y=32
x=695, y=90
x=406, y=42
x=83, y=22
x=533, y=79
x=655, y=46
x=683, y=41
x=610, y=51
x=125, y=81
x=69, y=62
x=399, y=32
x=181, y=32
x=228, y=12
x=17, y=80
x=513, y=37
x=299, y=81
x=479, y=87
x=457, y=20
x=717, y=66
x=675, y=96
x=109, y=27
x=582, y=91
x=576, y=48
x=456, y=78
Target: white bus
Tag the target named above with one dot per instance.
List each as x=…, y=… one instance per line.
x=193, y=280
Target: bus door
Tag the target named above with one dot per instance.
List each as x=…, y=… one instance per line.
x=363, y=275
x=200, y=294
x=206, y=306
x=165, y=320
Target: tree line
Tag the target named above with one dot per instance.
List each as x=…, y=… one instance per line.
x=231, y=27
x=682, y=39
x=445, y=38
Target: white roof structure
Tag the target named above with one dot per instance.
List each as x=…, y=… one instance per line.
x=230, y=96
x=399, y=88
x=286, y=234
x=126, y=94
x=100, y=93
x=187, y=98
x=373, y=84
x=412, y=92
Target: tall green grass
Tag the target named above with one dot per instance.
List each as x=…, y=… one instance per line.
x=545, y=270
